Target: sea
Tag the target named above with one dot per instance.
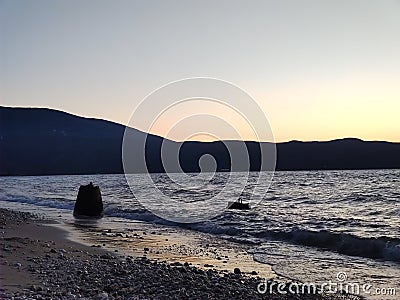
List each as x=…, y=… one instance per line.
x=310, y=226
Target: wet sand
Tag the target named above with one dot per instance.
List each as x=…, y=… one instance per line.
x=173, y=245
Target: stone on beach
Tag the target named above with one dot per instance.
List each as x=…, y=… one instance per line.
x=89, y=202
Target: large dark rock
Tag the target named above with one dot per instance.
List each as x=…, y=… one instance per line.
x=238, y=205
x=89, y=202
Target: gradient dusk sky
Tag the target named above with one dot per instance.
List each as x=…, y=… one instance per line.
x=319, y=69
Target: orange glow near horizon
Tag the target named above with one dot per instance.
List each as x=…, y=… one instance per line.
x=202, y=120
x=364, y=116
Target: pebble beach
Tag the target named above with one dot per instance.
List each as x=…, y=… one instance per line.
x=38, y=261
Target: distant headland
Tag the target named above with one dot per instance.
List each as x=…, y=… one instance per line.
x=40, y=141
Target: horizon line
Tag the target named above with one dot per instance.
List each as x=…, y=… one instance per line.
x=199, y=141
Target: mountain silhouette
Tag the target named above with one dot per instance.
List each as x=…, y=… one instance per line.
x=41, y=141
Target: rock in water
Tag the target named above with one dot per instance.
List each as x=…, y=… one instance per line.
x=89, y=202
x=238, y=205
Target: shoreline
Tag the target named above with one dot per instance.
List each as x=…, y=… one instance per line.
x=171, y=245
x=40, y=261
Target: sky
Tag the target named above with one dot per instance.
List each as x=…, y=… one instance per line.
x=319, y=70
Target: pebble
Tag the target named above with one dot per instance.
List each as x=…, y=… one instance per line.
x=102, y=296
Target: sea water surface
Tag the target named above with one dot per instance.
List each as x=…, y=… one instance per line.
x=310, y=226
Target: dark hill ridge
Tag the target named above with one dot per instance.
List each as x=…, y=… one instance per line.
x=40, y=141
x=340, y=154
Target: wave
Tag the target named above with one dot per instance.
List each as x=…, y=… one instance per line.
x=384, y=248
x=138, y=214
x=142, y=214
x=60, y=203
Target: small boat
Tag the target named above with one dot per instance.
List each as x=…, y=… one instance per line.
x=238, y=205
